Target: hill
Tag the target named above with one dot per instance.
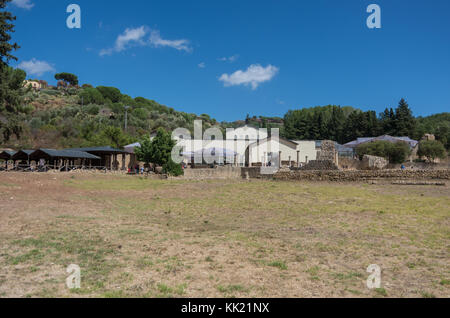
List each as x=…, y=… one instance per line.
x=88, y=116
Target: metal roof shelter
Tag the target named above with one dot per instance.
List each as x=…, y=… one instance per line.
x=108, y=156
x=130, y=148
x=22, y=155
x=61, y=154
x=101, y=150
x=7, y=154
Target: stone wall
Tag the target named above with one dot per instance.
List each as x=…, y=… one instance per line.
x=320, y=165
x=254, y=173
x=346, y=163
x=327, y=152
x=344, y=176
x=214, y=173
x=422, y=166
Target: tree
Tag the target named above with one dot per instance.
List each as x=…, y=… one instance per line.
x=6, y=27
x=68, y=78
x=399, y=152
x=91, y=95
x=405, y=123
x=394, y=152
x=432, y=149
x=387, y=121
x=11, y=82
x=116, y=136
x=158, y=151
x=111, y=93
x=144, y=153
x=112, y=136
x=336, y=125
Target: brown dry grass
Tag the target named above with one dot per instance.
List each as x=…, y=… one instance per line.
x=134, y=237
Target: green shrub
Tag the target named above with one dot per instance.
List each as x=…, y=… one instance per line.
x=91, y=96
x=111, y=93
x=394, y=152
x=36, y=123
x=92, y=109
x=173, y=169
x=432, y=150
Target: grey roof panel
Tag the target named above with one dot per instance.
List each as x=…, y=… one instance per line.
x=68, y=154
x=106, y=149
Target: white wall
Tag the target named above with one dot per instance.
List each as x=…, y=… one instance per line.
x=307, y=149
x=260, y=153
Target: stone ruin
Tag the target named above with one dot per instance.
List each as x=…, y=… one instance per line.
x=373, y=163
x=327, y=158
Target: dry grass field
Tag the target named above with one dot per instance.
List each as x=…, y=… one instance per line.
x=134, y=237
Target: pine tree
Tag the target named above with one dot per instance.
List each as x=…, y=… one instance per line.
x=373, y=127
x=405, y=123
x=10, y=80
x=6, y=27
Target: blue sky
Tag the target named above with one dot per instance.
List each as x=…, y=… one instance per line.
x=230, y=58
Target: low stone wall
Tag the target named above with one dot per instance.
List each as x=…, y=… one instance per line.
x=214, y=173
x=344, y=176
x=422, y=166
x=254, y=173
x=320, y=165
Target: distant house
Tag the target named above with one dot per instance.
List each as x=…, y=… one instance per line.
x=33, y=84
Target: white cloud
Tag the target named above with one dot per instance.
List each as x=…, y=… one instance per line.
x=24, y=4
x=230, y=59
x=137, y=37
x=202, y=65
x=127, y=38
x=35, y=67
x=180, y=45
x=253, y=76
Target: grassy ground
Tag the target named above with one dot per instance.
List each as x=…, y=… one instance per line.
x=134, y=237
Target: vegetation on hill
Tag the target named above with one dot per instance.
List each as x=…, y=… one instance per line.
x=81, y=117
